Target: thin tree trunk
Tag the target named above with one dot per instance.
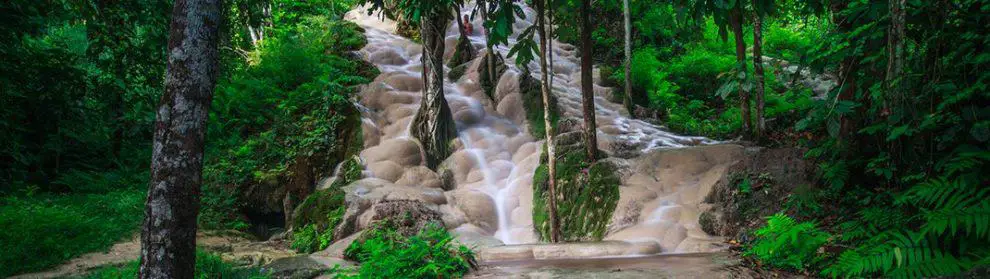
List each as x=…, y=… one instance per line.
x=489, y=55
x=736, y=21
x=168, y=236
x=550, y=36
x=758, y=73
x=551, y=149
x=628, y=51
x=587, y=87
x=434, y=123
x=847, y=69
x=895, y=49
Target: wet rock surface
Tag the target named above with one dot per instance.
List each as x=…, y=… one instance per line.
x=701, y=265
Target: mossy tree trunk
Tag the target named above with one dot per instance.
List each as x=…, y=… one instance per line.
x=551, y=149
x=758, y=73
x=168, y=236
x=587, y=87
x=434, y=123
x=735, y=20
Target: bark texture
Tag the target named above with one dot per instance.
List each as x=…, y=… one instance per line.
x=758, y=74
x=895, y=48
x=551, y=148
x=434, y=123
x=587, y=87
x=735, y=20
x=168, y=236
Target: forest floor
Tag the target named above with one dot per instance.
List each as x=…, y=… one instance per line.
x=231, y=245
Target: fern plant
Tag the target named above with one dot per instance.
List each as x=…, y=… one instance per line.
x=953, y=235
x=785, y=243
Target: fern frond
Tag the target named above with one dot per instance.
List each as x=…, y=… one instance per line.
x=973, y=220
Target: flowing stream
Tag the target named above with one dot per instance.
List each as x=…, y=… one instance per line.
x=495, y=156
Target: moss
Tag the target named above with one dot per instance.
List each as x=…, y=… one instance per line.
x=457, y=72
x=407, y=29
x=532, y=96
x=587, y=196
x=316, y=207
x=487, y=84
x=463, y=52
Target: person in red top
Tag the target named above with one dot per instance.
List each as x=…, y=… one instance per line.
x=468, y=29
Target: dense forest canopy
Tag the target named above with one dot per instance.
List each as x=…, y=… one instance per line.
x=888, y=100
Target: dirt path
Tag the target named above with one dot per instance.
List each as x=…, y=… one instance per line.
x=232, y=246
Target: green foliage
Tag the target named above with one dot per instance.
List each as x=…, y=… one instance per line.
x=317, y=236
x=291, y=102
x=208, y=266
x=587, y=196
x=78, y=87
x=43, y=230
x=432, y=253
x=913, y=156
x=785, y=243
x=532, y=95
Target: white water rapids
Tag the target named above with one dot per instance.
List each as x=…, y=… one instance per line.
x=495, y=156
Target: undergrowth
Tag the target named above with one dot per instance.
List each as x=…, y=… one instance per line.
x=385, y=253
x=208, y=266
x=44, y=230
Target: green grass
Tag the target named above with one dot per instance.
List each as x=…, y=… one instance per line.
x=208, y=265
x=41, y=231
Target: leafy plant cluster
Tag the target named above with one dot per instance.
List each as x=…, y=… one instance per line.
x=785, y=243
x=383, y=252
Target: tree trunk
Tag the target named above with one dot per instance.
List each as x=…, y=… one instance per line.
x=168, y=236
x=434, y=123
x=587, y=87
x=847, y=69
x=551, y=149
x=895, y=55
x=735, y=19
x=758, y=73
x=628, y=51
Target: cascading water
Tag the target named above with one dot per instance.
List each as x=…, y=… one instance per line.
x=495, y=156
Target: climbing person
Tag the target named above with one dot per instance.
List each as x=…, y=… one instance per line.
x=468, y=29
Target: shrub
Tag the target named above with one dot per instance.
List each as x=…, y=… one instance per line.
x=432, y=253
x=785, y=243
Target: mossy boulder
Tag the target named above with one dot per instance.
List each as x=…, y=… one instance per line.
x=317, y=208
x=532, y=96
x=408, y=29
x=587, y=194
x=457, y=72
x=398, y=218
x=487, y=83
x=463, y=53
